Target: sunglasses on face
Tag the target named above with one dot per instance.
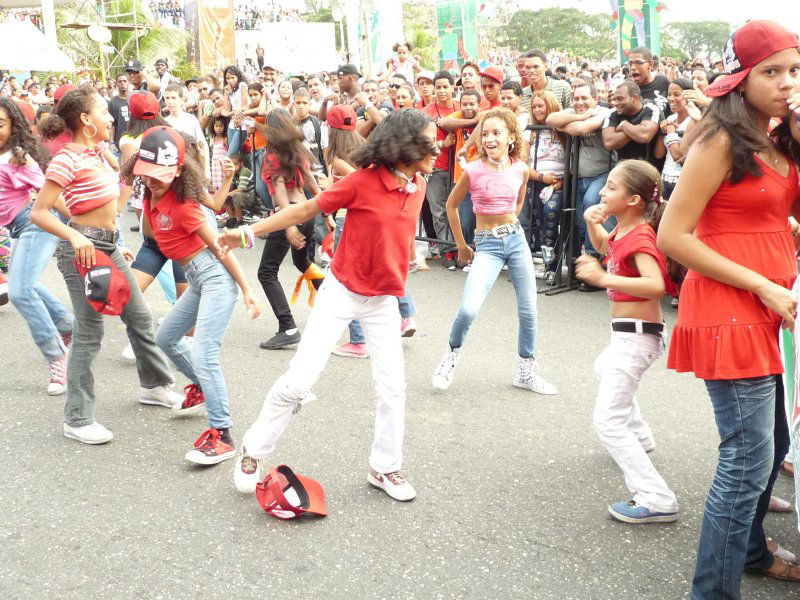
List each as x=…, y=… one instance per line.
x=395, y=86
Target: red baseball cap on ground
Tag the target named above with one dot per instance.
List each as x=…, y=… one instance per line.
x=107, y=288
x=749, y=45
x=341, y=116
x=144, y=105
x=494, y=73
x=63, y=89
x=285, y=495
x=161, y=152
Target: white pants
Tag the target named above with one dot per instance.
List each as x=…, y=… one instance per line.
x=334, y=308
x=619, y=422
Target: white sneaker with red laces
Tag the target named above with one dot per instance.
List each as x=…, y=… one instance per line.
x=394, y=484
x=58, y=376
x=210, y=449
x=193, y=403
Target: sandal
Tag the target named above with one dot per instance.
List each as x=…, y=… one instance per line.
x=778, y=505
x=781, y=552
x=787, y=468
x=780, y=569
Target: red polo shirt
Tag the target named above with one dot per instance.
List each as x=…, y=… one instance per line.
x=175, y=224
x=434, y=111
x=375, y=247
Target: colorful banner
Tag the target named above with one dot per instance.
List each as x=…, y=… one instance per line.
x=458, y=32
x=790, y=350
x=215, y=39
x=385, y=26
x=639, y=24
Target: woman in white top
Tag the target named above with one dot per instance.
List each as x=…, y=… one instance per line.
x=684, y=115
x=235, y=101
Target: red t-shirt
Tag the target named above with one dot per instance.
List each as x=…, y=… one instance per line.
x=434, y=111
x=174, y=225
x=641, y=239
x=375, y=247
x=420, y=104
x=272, y=168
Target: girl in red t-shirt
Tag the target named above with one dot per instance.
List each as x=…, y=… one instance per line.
x=636, y=281
x=174, y=182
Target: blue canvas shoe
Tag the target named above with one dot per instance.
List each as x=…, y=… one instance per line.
x=631, y=512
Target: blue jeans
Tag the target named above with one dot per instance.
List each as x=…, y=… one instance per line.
x=235, y=141
x=744, y=410
x=466, y=215
x=262, y=192
x=45, y=315
x=491, y=254
x=207, y=306
x=405, y=304
x=588, y=194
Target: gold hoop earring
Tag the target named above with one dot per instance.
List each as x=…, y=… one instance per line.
x=93, y=134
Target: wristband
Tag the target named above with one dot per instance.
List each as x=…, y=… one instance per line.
x=241, y=235
x=251, y=238
x=671, y=138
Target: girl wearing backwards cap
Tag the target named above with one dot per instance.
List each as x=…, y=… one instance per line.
x=175, y=183
x=91, y=191
x=368, y=273
x=727, y=221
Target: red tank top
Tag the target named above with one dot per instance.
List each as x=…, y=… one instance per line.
x=724, y=332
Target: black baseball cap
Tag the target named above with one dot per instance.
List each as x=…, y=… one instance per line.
x=347, y=69
x=134, y=66
x=161, y=61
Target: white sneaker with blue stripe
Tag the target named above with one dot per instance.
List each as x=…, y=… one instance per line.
x=632, y=512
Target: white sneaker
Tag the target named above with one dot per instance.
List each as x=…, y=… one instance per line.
x=504, y=268
x=160, y=396
x=394, y=484
x=443, y=375
x=246, y=473
x=528, y=377
x=88, y=434
x=128, y=355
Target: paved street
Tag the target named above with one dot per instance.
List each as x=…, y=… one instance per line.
x=512, y=486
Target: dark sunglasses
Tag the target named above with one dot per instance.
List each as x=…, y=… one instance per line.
x=395, y=86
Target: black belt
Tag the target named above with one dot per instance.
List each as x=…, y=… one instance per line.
x=631, y=327
x=96, y=233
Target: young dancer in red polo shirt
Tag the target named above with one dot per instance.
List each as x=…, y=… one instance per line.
x=383, y=199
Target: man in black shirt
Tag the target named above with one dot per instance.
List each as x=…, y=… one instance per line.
x=118, y=107
x=654, y=87
x=631, y=129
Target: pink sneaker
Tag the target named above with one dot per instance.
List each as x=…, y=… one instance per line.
x=352, y=350
x=408, y=326
x=58, y=376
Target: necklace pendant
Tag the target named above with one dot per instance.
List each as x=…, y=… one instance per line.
x=411, y=187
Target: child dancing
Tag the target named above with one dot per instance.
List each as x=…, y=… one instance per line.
x=636, y=281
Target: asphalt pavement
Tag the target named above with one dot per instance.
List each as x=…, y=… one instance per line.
x=512, y=486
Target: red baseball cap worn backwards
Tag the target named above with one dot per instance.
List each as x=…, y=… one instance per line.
x=144, y=105
x=749, y=45
x=161, y=152
x=107, y=288
x=63, y=89
x=285, y=495
x=342, y=117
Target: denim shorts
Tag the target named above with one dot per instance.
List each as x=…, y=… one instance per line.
x=151, y=260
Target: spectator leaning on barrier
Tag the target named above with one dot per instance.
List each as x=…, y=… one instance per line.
x=536, y=67
x=631, y=129
x=585, y=120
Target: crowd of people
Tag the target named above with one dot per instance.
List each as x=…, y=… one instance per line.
x=694, y=160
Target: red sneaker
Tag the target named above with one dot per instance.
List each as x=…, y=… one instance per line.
x=193, y=403
x=209, y=449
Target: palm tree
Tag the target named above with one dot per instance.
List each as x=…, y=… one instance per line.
x=154, y=41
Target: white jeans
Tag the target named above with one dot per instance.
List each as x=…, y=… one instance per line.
x=334, y=308
x=619, y=422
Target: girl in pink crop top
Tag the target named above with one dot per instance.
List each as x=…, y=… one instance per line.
x=636, y=282
x=497, y=182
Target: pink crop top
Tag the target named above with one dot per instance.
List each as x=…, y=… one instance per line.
x=493, y=192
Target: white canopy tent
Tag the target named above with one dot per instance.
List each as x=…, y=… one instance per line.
x=24, y=48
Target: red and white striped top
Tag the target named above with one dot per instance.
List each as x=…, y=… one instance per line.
x=88, y=181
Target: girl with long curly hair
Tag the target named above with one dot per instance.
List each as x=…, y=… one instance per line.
x=90, y=188
x=368, y=273
x=496, y=182
x=287, y=172
x=175, y=187
x=22, y=159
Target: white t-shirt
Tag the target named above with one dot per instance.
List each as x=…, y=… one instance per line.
x=187, y=123
x=672, y=169
x=549, y=153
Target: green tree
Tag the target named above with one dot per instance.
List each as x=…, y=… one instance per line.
x=670, y=47
x=154, y=41
x=697, y=38
x=565, y=29
x=420, y=28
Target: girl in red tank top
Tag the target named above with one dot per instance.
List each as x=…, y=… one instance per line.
x=727, y=221
x=636, y=281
